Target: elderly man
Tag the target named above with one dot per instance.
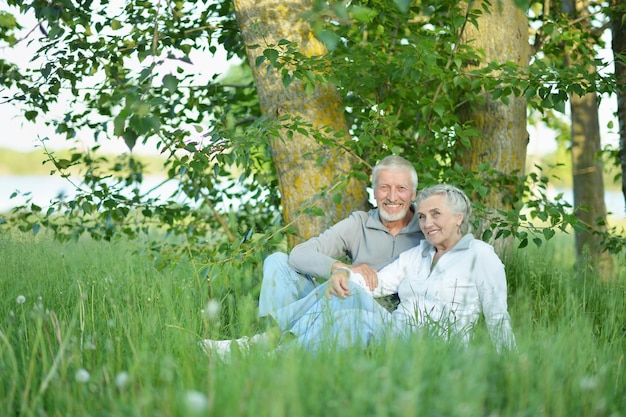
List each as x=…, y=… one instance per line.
x=368, y=240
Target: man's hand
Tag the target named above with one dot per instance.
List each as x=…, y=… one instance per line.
x=338, y=284
x=370, y=275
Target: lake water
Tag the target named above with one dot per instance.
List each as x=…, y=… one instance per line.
x=45, y=188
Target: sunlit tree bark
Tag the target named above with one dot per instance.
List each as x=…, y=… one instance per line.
x=503, y=36
x=303, y=166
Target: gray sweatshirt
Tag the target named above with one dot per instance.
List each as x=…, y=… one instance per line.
x=361, y=238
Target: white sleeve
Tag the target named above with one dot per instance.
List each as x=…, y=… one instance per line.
x=492, y=289
x=358, y=279
x=390, y=276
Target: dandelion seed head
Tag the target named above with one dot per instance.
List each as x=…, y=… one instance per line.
x=212, y=309
x=21, y=299
x=196, y=402
x=82, y=376
x=121, y=379
x=588, y=383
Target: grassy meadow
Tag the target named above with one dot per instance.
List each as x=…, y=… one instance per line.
x=93, y=329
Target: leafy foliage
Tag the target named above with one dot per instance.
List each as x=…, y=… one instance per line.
x=133, y=72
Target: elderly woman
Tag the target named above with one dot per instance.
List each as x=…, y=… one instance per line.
x=444, y=285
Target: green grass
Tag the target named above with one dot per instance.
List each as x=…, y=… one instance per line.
x=101, y=308
x=32, y=162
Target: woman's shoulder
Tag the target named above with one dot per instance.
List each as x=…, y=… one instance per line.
x=478, y=245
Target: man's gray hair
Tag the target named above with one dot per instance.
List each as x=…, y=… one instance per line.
x=457, y=201
x=394, y=163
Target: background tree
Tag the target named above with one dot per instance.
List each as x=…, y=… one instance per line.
x=499, y=121
x=618, y=30
x=304, y=166
x=592, y=246
x=587, y=165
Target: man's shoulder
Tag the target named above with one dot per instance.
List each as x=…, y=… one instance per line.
x=362, y=219
x=362, y=215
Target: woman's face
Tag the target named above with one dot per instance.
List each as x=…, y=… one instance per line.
x=438, y=223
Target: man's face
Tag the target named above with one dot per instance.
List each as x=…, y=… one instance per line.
x=394, y=193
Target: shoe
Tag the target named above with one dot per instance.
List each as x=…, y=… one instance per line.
x=222, y=348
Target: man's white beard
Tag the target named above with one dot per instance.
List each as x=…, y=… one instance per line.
x=392, y=218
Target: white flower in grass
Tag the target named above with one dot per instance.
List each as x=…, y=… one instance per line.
x=82, y=376
x=196, y=402
x=212, y=309
x=121, y=380
x=588, y=383
x=21, y=299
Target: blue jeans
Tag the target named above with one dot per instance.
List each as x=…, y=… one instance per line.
x=281, y=285
x=336, y=323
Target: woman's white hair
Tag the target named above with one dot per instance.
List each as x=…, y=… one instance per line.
x=456, y=201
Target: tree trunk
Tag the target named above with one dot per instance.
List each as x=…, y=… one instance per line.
x=588, y=182
x=618, y=27
x=589, y=203
x=304, y=167
x=503, y=138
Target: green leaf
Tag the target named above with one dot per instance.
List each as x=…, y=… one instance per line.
x=286, y=78
x=559, y=104
x=259, y=60
x=130, y=138
x=363, y=14
x=403, y=5
x=439, y=108
x=328, y=38
x=87, y=207
x=548, y=233
x=522, y=4
x=31, y=115
x=143, y=109
x=458, y=21
x=119, y=124
x=170, y=82
x=271, y=55
x=318, y=211
x=63, y=164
